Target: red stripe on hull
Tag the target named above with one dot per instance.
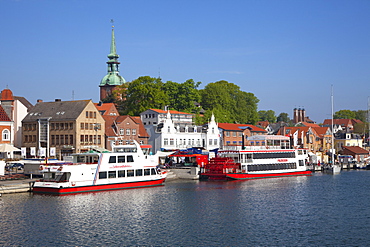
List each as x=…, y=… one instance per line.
x=97, y=188
x=267, y=175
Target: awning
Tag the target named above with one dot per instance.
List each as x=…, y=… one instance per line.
x=4, y=148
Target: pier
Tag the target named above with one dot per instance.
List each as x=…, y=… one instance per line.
x=9, y=186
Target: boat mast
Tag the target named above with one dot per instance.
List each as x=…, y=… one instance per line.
x=332, y=126
x=368, y=122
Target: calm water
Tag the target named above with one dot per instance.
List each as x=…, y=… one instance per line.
x=319, y=210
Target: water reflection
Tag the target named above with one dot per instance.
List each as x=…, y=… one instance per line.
x=291, y=211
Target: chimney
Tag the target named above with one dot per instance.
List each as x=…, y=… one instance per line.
x=39, y=101
x=58, y=100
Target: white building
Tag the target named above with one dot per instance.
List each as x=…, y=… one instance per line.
x=16, y=108
x=172, y=133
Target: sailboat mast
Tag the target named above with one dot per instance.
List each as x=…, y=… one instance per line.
x=332, y=126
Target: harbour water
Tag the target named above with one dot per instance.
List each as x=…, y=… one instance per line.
x=317, y=210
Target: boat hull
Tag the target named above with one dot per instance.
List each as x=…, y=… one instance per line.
x=96, y=188
x=243, y=176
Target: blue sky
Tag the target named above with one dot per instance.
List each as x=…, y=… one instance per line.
x=287, y=53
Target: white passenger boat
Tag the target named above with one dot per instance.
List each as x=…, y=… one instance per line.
x=259, y=163
x=128, y=166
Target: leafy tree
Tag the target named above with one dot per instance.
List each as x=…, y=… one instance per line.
x=142, y=94
x=361, y=115
x=344, y=114
x=283, y=117
x=267, y=116
x=228, y=103
x=182, y=95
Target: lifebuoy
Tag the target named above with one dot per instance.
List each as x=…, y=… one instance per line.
x=41, y=168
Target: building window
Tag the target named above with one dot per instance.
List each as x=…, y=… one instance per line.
x=210, y=142
x=165, y=142
x=168, y=129
x=71, y=126
x=57, y=140
x=26, y=138
x=71, y=139
x=171, y=142
x=6, y=135
x=82, y=126
x=57, y=126
x=86, y=126
x=62, y=140
x=121, y=132
x=87, y=114
x=82, y=139
x=99, y=139
x=227, y=133
x=213, y=130
x=52, y=126
x=127, y=132
x=62, y=126
x=134, y=132
x=94, y=114
x=234, y=134
x=215, y=142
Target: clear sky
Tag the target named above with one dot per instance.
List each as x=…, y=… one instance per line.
x=287, y=53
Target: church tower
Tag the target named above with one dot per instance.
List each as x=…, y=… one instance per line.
x=112, y=79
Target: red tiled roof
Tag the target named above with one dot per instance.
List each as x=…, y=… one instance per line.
x=342, y=122
x=171, y=111
x=3, y=116
x=105, y=107
x=7, y=94
x=264, y=124
x=321, y=131
x=310, y=124
x=110, y=121
x=239, y=127
x=355, y=149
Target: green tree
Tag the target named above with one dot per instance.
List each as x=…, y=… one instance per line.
x=283, y=117
x=228, y=103
x=344, y=114
x=142, y=94
x=267, y=116
x=182, y=95
x=361, y=115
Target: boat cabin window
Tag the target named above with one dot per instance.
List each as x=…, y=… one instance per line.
x=121, y=159
x=138, y=172
x=112, y=174
x=130, y=173
x=153, y=171
x=147, y=172
x=88, y=159
x=63, y=177
x=121, y=173
x=130, y=158
x=301, y=162
x=102, y=175
x=112, y=159
x=125, y=150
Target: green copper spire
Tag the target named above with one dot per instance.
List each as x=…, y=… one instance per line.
x=112, y=78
